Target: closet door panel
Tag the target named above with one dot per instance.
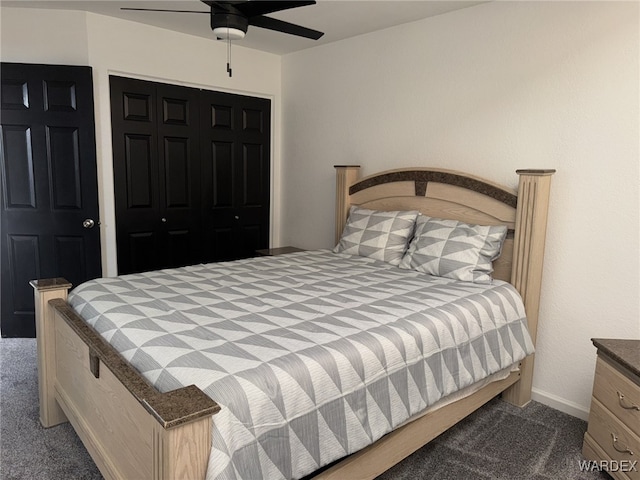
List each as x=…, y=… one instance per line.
x=136, y=173
x=143, y=248
x=236, y=151
x=254, y=172
x=180, y=183
x=157, y=174
x=219, y=182
x=140, y=173
x=178, y=169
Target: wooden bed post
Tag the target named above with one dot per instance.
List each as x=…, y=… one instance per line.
x=44, y=290
x=346, y=175
x=528, y=254
x=183, y=451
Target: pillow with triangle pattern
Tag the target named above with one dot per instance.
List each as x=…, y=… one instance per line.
x=377, y=234
x=453, y=249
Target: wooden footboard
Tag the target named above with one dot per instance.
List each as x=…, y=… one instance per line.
x=130, y=429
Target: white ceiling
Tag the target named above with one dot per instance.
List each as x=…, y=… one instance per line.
x=339, y=19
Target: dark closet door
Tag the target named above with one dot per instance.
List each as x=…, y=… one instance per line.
x=156, y=161
x=235, y=174
x=192, y=174
x=49, y=187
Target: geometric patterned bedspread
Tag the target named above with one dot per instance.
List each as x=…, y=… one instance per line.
x=312, y=355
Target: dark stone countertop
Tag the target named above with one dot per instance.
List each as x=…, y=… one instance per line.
x=624, y=351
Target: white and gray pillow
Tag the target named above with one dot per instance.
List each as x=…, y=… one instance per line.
x=377, y=234
x=453, y=249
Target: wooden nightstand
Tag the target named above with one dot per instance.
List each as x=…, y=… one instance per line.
x=613, y=434
x=270, y=252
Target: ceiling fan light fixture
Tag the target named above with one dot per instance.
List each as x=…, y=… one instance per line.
x=228, y=33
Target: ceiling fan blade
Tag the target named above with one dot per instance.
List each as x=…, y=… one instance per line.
x=254, y=8
x=284, y=27
x=161, y=10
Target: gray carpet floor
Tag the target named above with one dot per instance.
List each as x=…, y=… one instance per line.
x=499, y=441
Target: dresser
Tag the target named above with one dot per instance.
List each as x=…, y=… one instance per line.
x=613, y=433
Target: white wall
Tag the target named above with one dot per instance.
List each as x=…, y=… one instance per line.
x=489, y=89
x=113, y=46
x=54, y=36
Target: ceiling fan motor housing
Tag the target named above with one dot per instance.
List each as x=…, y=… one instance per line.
x=229, y=20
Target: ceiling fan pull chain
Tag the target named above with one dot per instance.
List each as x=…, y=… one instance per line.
x=229, y=70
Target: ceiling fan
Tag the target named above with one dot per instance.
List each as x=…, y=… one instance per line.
x=231, y=19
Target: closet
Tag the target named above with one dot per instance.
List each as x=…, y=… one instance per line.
x=191, y=174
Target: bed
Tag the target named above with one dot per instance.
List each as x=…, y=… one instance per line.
x=134, y=430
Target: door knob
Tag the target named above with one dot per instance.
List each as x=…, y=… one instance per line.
x=88, y=223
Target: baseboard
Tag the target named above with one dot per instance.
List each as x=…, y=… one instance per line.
x=561, y=404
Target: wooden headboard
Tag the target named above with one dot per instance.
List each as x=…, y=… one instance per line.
x=458, y=196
